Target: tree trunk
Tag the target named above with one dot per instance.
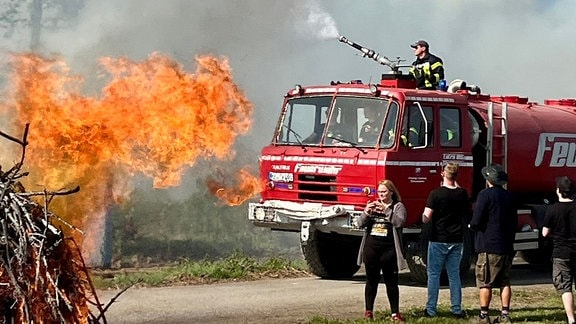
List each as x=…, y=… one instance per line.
x=35, y=24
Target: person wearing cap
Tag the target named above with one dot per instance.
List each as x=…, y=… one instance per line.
x=560, y=225
x=494, y=221
x=447, y=209
x=428, y=69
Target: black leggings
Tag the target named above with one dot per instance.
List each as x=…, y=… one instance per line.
x=380, y=262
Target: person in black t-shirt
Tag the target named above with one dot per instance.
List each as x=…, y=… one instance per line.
x=560, y=225
x=447, y=209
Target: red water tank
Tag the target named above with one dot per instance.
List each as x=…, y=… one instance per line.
x=541, y=141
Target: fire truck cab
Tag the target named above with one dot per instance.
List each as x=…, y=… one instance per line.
x=346, y=137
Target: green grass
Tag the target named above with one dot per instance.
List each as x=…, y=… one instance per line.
x=536, y=307
x=236, y=266
x=525, y=315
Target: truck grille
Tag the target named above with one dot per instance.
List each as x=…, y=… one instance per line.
x=317, y=187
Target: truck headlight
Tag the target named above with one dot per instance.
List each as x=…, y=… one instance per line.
x=259, y=214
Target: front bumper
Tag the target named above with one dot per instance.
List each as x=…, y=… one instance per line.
x=292, y=216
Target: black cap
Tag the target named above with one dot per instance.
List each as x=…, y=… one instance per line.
x=565, y=186
x=495, y=174
x=420, y=43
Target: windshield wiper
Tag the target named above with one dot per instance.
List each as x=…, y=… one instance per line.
x=354, y=145
x=296, y=135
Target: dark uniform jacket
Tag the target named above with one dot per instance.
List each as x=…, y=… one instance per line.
x=428, y=71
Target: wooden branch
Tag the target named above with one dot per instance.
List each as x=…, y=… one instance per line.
x=113, y=300
x=14, y=139
x=42, y=273
x=51, y=193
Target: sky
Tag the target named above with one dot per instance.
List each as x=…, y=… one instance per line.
x=506, y=47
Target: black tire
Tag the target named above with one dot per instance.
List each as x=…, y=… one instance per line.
x=331, y=255
x=417, y=256
x=468, y=254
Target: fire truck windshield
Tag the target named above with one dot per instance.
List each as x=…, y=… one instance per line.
x=338, y=121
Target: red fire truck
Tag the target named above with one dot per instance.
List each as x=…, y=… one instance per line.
x=321, y=168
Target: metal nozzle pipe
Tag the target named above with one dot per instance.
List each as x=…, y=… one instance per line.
x=351, y=43
x=369, y=53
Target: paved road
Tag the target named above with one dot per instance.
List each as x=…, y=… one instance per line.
x=273, y=300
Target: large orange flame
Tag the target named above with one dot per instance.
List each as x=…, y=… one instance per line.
x=152, y=117
x=234, y=191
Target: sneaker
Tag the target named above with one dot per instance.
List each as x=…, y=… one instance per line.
x=502, y=319
x=368, y=314
x=462, y=315
x=483, y=319
x=425, y=314
x=397, y=317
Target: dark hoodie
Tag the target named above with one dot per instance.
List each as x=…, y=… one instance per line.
x=495, y=221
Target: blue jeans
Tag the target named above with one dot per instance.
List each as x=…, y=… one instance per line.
x=442, y=255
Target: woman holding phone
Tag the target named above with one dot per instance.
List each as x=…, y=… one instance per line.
x=381, y=248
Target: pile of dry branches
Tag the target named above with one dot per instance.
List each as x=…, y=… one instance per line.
x=43, y=278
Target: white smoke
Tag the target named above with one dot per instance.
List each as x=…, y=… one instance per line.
x=273, y=45
x=312, y=21
x=321, y=23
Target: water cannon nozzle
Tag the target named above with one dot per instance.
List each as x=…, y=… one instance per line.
x=366, y=52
